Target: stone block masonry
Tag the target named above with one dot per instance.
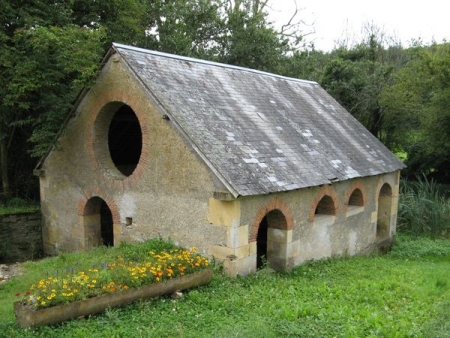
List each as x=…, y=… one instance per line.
x=20, y=237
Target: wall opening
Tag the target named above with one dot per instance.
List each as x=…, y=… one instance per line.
x=125, y=140
x=325, y=206
x=384, y=212
x=261, y=244
x=106, y=225
x=267, y=249
x=356, y=198
x=98, y=224
x=117, y=139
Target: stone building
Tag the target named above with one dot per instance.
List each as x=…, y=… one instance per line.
x=237, y=162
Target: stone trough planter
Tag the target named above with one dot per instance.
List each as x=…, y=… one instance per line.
x=28, y=317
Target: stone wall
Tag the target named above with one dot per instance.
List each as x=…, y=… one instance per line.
x=20, y=237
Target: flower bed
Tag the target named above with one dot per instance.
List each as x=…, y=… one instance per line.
x=79, y=293
x=28, y=316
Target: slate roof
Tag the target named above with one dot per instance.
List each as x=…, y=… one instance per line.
x=259, y=132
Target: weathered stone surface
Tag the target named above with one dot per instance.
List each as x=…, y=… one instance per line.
x=20, y=237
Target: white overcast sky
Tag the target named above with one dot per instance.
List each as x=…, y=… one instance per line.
x=403, y=19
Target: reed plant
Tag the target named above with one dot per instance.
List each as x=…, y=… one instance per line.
x=424, y=209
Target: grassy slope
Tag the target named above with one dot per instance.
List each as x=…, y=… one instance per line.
x=405, y=293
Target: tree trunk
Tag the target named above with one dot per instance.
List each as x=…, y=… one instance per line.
x=4, y=167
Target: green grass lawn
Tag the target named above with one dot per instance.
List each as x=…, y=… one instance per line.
x=405, y=293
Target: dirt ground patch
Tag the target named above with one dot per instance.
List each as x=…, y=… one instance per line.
x=8, y=271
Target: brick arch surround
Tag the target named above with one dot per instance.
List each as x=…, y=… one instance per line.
x=324, y=191
x=100, y=101
x=85, y=210
x=389, y=180
x=276, y=204
x=359, y=184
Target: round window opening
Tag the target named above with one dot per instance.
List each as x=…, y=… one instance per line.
x=118, y=139
x=125, y=140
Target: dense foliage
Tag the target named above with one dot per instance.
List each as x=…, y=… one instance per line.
x=50, y=50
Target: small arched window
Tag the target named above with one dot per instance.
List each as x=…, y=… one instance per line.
x=356, y=198
x=325, y=206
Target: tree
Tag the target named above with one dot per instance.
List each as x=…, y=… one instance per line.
x=356, y=78
x=305, y=64
x=233, y=32
x=419, y=103
x=184, y=27
x=124, y=21
x=249, y=41
x=44, y=62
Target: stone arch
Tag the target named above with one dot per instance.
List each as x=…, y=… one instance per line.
x=326, y=202
x=274, y=204
x=269, y=230
x=99, y=218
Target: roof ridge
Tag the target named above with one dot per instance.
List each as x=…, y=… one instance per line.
x=212, y=63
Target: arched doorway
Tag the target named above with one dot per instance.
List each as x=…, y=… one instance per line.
x=261, y=244
x=267, y=248
x=384, y=212
x=98, y=224
x=106, y=225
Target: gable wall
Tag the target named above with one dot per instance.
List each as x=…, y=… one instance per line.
x=166, y=195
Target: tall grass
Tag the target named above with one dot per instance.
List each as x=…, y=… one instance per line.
x=424, y=209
